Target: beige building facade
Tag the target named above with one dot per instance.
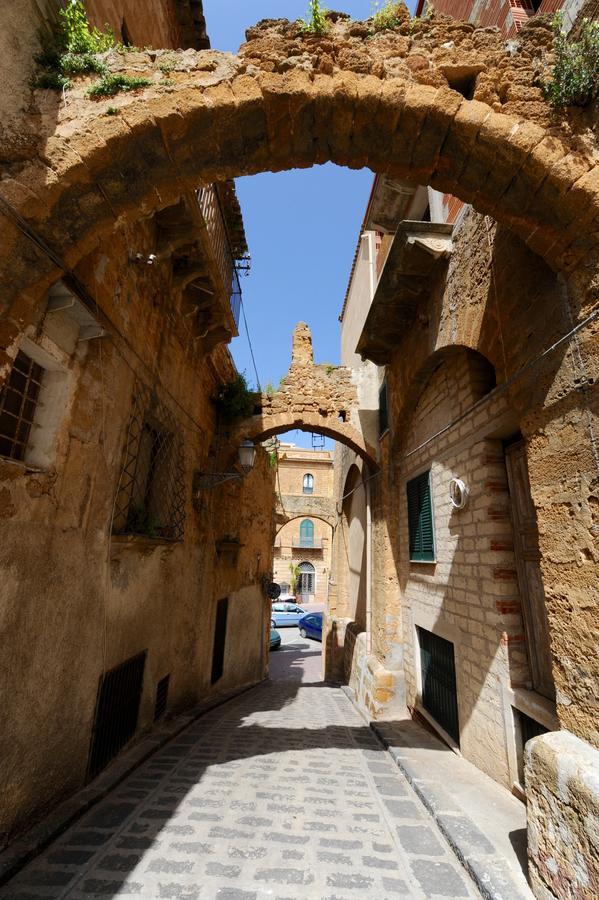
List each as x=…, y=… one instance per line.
x=302, y=549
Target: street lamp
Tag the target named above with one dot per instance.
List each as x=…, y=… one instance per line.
x=206, y=481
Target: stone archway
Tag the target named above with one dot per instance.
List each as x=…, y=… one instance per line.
x=391, y=101
x=317, y=398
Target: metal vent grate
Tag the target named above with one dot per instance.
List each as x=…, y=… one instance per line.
x=161, y=697
x=117, y=708
x=439, y=691
x=150, y=498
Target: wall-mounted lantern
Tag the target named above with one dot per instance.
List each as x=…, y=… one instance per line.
x=206, y=481
x=458, y=493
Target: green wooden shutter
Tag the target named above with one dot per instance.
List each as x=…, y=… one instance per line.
x=420, y=518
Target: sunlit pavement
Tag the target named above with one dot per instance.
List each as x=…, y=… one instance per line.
x=281, y=793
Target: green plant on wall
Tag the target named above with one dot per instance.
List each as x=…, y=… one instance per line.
x=388, y=15
x=316, y=21
x=295, y=576
x=235, y=400
x=72, y=49
x=575, y=75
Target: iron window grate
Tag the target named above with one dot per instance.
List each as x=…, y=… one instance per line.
x=150, y=497
x=117, y=709
x=439, y=690
x=18, y=401
x=161, y=697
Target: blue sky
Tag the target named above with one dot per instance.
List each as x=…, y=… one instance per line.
x=302, y=226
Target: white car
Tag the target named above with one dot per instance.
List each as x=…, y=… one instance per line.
x=285, y=614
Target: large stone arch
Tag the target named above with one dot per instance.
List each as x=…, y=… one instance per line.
x=259, y=428
x=291, y=100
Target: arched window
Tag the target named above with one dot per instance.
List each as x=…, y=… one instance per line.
x=307, y=533
x=308, y=484
x=306, y=581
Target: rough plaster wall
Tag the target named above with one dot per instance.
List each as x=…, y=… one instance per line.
x=72, y=602
x=19, y=43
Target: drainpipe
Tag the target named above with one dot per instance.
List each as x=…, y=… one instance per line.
x=368, y=567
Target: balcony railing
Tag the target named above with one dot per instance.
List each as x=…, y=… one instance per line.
x=307, y=543
x=215, y=224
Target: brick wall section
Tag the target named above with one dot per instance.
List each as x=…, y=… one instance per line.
x=470, y=595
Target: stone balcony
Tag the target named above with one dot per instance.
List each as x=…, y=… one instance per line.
x=418, y=253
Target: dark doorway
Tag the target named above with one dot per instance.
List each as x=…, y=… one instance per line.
x=220, y=634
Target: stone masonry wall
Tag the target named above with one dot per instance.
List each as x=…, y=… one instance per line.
x=75, y=602
x=469, y=595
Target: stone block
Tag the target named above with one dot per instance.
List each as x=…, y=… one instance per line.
x=562, y=792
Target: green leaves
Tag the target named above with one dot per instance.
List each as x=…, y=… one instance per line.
x=114, y=83
x=317, y=21
x=575, y=76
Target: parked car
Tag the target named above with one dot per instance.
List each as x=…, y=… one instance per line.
x=275, y=639
x=285, y=614
x=310, y=626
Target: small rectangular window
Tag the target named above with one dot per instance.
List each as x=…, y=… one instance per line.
x=18, y=402
x=117, y=709
x=220, y=635
x=383, y=409
x=420, y=518
x=439, y=690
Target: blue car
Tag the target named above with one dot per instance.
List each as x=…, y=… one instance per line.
x=285, y=614
x=310, y=626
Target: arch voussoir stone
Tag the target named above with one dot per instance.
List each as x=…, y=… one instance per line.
x=294, y=100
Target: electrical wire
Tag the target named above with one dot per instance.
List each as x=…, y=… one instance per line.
x=247, y=331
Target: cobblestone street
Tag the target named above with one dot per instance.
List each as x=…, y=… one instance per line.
x=283, y=792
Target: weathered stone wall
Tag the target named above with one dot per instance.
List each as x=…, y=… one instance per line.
x=562, y=793
x=469, y=595
x=75, y=602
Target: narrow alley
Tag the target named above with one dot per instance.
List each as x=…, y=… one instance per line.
x=283, y=791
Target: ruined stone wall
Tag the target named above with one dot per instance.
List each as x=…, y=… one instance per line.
x=75, y=602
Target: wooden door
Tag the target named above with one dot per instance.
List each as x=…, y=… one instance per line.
x=526, y=547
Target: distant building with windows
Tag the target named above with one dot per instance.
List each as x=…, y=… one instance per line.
x=305, y=520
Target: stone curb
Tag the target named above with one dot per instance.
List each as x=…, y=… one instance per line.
x=40, y=836
x=476, y=853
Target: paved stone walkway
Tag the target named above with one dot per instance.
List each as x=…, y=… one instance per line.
x=282, y=793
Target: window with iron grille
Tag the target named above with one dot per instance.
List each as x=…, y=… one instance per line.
x=151, y=491
x=420, y=518
x=18, y=402
x=383, y=409
x=117, y=709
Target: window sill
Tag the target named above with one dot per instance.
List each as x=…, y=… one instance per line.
x=19, y=467
x=142, y=541
x=423, y=562
x=441, y=733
